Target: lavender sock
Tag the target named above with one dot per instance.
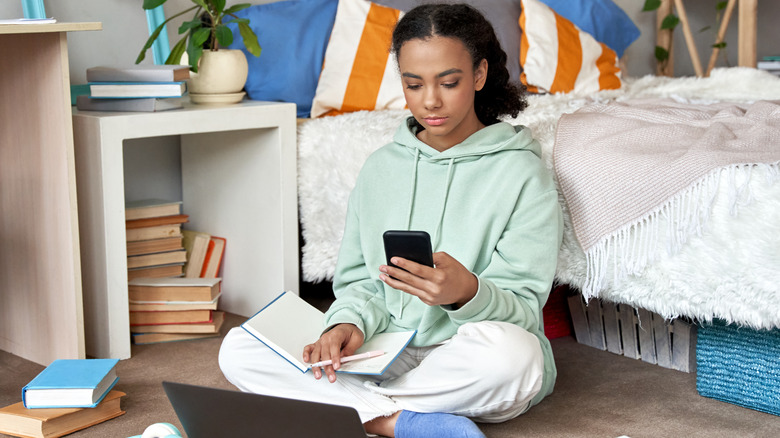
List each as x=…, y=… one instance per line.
x=412, y=424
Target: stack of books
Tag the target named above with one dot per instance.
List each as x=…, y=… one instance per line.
x=135, y=88
x=154, y=239
x=174, y=309
x=770, y=64
x=69, y=395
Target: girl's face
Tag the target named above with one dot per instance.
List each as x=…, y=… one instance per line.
x=439, y=86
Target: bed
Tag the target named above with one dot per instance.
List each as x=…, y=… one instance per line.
x=704, y=248
x=722, y=262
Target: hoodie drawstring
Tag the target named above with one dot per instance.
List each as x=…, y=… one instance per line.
x=437, y=233
x=413, y=190
x=409, y=219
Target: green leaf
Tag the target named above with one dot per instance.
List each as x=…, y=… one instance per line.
x=661, y=54
x=151, y=4
x=224, y=35
x=720, y=45
x=200, y=36
x=236, y=8
x=250, y=39
x=670, y=22
x=721, y=6
x=176, y=52
x=238, y=20
x=194, y=53
x=202, y=4
x=651, y=5
x=149, y=43
x=705, y=29
x=189, y=25
x=219, y=6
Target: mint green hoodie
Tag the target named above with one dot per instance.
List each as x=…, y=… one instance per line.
x=489, y=202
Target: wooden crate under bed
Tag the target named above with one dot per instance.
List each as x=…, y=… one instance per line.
x=634, y=333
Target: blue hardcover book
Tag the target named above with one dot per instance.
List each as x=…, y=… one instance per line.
x=71, y=383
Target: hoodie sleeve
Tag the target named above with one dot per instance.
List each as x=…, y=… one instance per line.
x=516, y=283
x=359, y=297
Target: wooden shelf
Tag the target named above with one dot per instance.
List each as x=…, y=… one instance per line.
x=48, y=28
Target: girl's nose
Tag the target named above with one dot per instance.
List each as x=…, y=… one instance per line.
x=432, y=99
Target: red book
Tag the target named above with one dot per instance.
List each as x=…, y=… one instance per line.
x=214, y=255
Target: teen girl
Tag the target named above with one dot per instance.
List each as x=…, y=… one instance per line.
x=480, y=189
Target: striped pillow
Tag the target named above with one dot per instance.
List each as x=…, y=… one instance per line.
x=359, y=72
x=557, y=57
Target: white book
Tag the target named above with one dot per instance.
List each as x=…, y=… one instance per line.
x=137, y=89
x=769, y=65
x=289, y=323
x=150, y=104
x=138, y=73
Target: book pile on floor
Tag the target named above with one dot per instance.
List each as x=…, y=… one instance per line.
x=770, y=64
x=154, y=239
x=173, y=275
x=135, y=88
x=174, y=309
x=69, y=395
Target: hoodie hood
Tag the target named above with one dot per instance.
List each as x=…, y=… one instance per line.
x=492, y=139
x=488, y=140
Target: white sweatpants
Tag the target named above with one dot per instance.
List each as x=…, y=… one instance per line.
x=488, y=371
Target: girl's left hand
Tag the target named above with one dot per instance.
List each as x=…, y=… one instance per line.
x=449, y=283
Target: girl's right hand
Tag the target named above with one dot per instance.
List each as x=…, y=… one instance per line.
x=342, y=340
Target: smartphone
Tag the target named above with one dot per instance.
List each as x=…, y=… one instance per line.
x=411, y=245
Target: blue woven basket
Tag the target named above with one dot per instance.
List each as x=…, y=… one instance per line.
x=739, y=365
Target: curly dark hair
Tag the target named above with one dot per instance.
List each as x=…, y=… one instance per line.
x=499, y=96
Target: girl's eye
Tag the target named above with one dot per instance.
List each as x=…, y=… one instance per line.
x=413, y=86
x=450, y=84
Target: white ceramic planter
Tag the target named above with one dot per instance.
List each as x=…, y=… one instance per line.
x=223, y=71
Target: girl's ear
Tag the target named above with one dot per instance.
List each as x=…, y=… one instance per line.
x=480, y=74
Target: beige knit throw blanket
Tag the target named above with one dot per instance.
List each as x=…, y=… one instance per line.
x=646, y=171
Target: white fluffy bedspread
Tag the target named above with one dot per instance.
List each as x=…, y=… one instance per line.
x=728, y=269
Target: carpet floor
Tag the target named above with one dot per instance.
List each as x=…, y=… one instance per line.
x=597, y=394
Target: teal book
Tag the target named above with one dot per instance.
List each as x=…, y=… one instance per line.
x=71, y=383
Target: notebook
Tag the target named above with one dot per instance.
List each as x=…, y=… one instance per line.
x=289, y=323
x=211, y=412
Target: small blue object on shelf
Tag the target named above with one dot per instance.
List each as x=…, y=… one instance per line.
x=33, y=9
x=161, y=48
x=739, y=365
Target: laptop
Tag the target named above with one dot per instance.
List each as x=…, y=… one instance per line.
x=211, y=412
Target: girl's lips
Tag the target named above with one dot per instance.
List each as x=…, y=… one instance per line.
x=435, y=121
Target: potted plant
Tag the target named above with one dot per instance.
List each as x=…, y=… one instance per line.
x=215, y=70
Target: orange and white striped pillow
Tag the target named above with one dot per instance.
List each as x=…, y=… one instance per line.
x=557, y=57
x=359, y=73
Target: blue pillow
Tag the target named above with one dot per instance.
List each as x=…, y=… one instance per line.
x=603, y=19
x=293, y=35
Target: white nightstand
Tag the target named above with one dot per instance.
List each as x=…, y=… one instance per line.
x=239, y=181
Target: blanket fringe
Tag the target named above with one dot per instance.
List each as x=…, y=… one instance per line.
x=635, y=246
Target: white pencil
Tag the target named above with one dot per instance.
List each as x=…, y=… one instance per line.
x=366, y=355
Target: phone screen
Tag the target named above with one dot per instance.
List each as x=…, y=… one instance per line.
x=411, y=245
